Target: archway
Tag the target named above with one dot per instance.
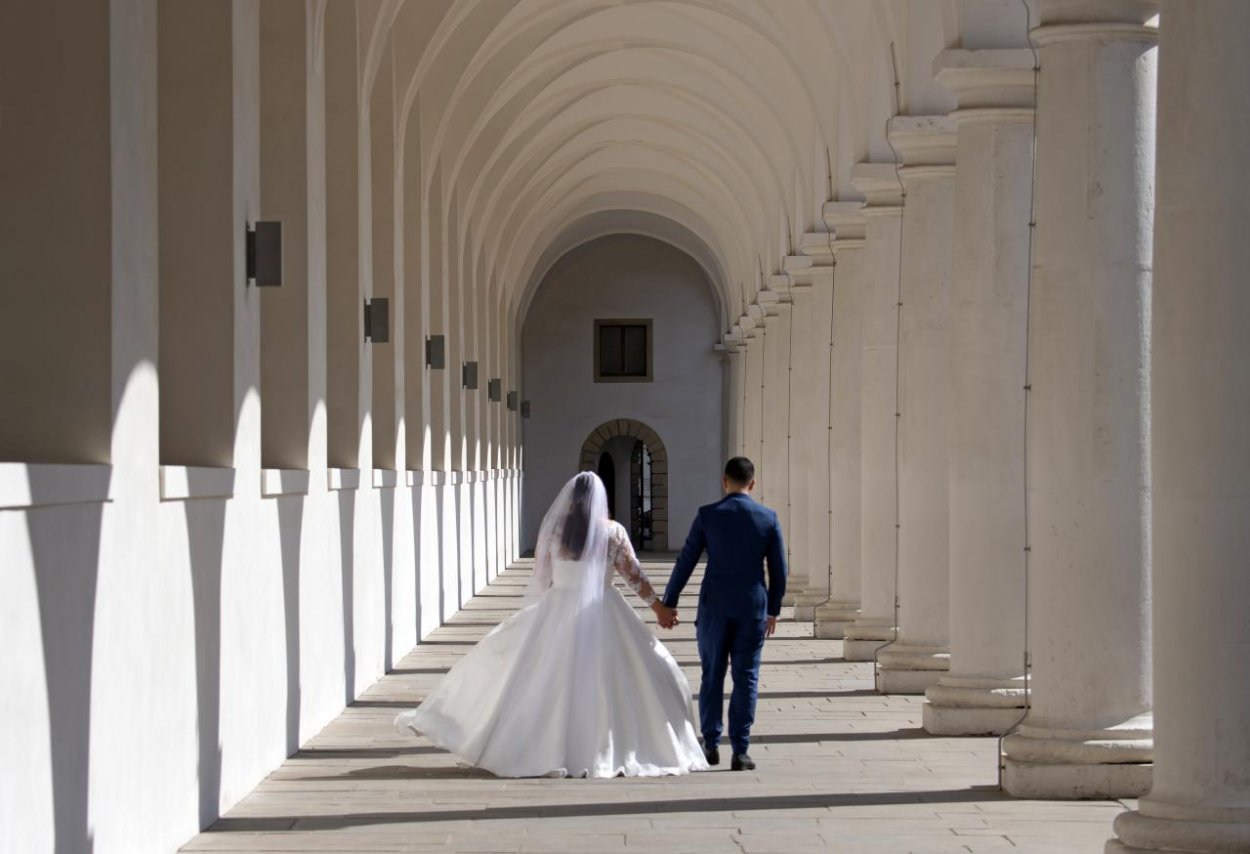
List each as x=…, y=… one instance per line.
x=648, y=515
x=607, y=474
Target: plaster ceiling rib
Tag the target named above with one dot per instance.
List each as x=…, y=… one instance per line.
x=714, y=113
x=618, y=215
x=493, y=183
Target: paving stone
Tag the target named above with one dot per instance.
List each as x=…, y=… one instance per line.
x=841, y=768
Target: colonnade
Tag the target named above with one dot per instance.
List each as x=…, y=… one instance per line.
x=1039, y=403
x=228, y=508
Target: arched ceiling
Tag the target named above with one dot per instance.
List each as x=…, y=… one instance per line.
x=720, y=126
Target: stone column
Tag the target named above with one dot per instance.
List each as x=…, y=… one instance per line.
x=752, y=371
x=841, y=495
x=772, y=463
x=1088, y=730
x=983, y=693
x=733, y=357
x=920, y=651
x=810, y=289
x=1200, y=462
x=878, y=407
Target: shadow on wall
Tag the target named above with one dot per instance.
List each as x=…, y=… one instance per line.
x=206, y=529
x=290, y=534
x=417, y=534
x=67, y=574
x=387, y=497
x=347, y=540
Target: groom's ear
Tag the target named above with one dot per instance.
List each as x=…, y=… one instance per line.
x=751, y=485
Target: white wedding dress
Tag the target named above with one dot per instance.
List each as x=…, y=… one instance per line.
x=574, y=684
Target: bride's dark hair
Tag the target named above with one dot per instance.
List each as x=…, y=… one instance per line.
x=577, y=523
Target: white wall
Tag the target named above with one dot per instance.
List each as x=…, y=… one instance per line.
x=172, y=633
x=622, y=276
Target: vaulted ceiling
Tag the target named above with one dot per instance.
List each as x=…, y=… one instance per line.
x=720, y=126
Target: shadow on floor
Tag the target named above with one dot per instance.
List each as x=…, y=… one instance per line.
x=318, y=754
x=410, y=772
x=583, y=810
x=813, y=737
x=815, y=695
x=385, y=704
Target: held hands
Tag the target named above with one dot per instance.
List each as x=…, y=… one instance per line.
x=664, y=615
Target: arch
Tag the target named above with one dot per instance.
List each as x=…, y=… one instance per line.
x=607, y=473
x=604, y=433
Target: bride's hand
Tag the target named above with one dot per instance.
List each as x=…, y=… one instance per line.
x=664, y=615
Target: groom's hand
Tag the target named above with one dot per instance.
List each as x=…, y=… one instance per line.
x=664, y=615
x=770, y=627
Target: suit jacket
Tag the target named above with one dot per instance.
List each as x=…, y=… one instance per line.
x=740, y=537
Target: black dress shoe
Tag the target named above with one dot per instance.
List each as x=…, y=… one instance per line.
x=742, y=762
x=711, y=754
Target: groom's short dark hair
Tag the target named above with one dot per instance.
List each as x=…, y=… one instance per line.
x=740, y=470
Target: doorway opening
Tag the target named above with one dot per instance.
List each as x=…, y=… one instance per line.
x=624, y=444
x=607, y=474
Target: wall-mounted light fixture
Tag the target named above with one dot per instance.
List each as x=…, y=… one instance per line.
x=264, y=254
x=436, y=352
x=514, y=400
x=494, y=389
x=468, y=375
x=378, y=320
x=525, y=409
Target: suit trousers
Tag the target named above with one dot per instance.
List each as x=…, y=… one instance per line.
x=733, y=643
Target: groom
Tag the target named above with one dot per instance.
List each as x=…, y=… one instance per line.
x=736, y=611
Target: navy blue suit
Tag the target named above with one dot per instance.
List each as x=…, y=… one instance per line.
x=740, y=537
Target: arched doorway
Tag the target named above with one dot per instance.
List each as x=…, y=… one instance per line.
x=648, y=478
x=607, y=474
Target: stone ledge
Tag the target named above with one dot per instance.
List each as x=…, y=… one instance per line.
x=339, y=478
x=182, y=483
x=28, y=485
x=274, y=482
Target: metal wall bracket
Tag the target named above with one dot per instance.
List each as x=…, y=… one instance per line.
x=264, y=254
x=378, y=320
x=436, y=352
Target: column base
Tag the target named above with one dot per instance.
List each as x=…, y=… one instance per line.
x=833, y=619
x=910, y=669
x=1216, y=830
x=805, y=604
x=973, y=706
x=862, y=639
x=1072, y=764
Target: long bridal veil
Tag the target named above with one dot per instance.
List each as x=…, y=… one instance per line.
x=575, y=533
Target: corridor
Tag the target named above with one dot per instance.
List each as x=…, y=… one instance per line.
x=841, y=768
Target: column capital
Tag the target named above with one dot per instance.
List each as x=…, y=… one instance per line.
x=988, y=84
x=880, y=186
x=748, y=321
x=775, y=297
x=1077, y=20
x=809, y=268
x=847, y=222
x=925, y=145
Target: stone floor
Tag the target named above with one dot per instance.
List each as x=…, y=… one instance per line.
x=841, y=768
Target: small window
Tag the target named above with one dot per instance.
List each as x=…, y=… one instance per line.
x=623, y=351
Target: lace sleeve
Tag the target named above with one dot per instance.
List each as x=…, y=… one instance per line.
x=625, y=563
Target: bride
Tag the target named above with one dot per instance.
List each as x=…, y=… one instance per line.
x=574, y=684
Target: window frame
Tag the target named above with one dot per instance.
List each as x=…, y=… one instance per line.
x=647, y=324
